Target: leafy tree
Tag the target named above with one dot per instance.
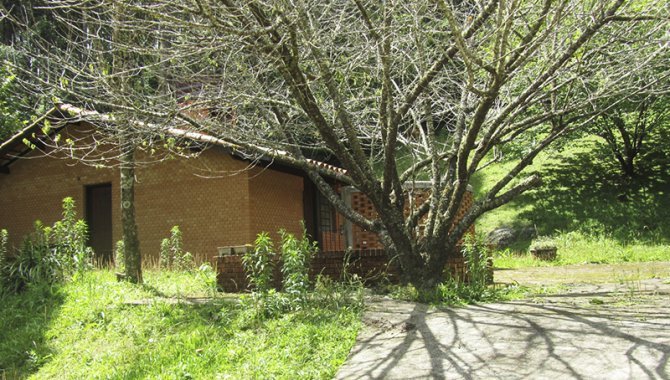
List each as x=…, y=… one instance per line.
x=371, y=84
x=630, y=129
x=11, y=117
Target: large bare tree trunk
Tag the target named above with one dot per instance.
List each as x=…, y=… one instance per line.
x=131, y=241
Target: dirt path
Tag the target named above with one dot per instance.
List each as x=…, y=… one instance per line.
x=600, y=330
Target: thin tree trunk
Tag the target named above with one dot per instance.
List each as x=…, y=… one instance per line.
x=131, y=241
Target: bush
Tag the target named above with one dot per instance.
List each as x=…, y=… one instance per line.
x=50, y=255
x=172, y=254
x=296, y=256
x=207, y=275
x=259, y=263
x=69, y=238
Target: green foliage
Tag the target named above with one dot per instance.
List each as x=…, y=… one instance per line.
x=172, y=254
x=165, y=260
x=297, y=292
x=87, y=327
x=259, y=263
x=593, y=213
x=11, y=115
x=51, y=255
x=69, y=240
x=479, y=270
x=4, y=252
x=207, y=275
x=543, y=242
x=296, y=255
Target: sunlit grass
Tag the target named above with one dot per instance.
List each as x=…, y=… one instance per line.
x=578, y=248
x=96, y=327
x=594, y=214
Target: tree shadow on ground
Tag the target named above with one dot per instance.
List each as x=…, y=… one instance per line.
x=584, y=194
x=24, y=321
x=523, y=339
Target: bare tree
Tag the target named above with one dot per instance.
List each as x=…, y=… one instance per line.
x=395, y=91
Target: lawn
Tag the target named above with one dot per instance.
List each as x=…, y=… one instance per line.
x=96, y=327
x=593, y=214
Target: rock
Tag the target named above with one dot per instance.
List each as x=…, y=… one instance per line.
x=504, y=237
x=501, y=237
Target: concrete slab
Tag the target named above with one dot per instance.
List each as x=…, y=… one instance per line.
x=604, y=331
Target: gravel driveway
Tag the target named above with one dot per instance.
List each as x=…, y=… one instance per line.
x=590, y=331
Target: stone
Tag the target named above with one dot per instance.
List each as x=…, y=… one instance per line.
x=501, y=237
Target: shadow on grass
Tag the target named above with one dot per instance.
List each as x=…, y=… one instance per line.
x=24, y=321
x=589, y=195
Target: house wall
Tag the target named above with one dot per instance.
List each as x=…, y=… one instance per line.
x=275, y=202
x=207, y=197
x=216, y=199
x=35, y=188
x=367, y=259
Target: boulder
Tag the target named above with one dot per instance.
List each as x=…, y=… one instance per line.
x=504, y=237
x=501, y=237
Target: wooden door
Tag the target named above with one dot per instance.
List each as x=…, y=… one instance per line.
x=99, y=220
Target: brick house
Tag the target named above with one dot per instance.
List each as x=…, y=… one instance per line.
x=219, y=199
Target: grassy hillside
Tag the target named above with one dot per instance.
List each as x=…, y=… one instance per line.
x=95, y=327
x=594, y=214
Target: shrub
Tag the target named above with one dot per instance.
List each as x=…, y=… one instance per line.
x=207, y=275
x=296, y=256
x=172, y=254
x=51, y=254
x=69, y=237
x=477, y=258
x=259, y=263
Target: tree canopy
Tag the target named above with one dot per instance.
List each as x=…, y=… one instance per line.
x=394, y=91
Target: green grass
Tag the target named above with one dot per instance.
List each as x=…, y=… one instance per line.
x=594, y=214
x=579, y=248
x=90, y=328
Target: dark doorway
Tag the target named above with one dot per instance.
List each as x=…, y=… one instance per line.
x=99, y=220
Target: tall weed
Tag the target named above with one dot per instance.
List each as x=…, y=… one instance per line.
x=296, y=257
x=120, y=256
x=51, y=254
x=259, y=263
x=172, y=254
x=297, y=292
x=4, y=239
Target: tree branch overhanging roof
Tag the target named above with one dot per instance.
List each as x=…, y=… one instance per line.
x=34, y=135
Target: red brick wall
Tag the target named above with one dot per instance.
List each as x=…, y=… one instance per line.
x=368, y=259
x=210, y=197
x=36, y=186
x=371, y=266
x=275, y=202
x=363, y=239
